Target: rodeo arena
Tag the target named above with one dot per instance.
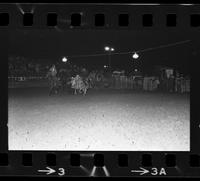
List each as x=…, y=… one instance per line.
x=59, y=77
x=64, y=106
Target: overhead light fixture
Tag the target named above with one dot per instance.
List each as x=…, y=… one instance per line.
x=64, y=59
x=107, y=48
x=135, y=56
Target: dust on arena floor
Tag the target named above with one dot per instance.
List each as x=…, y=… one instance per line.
x=101, y=120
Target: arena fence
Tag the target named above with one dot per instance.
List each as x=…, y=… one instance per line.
x=152, y=83
x=23, y=82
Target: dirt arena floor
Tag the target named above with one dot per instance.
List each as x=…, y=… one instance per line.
x=103, y=120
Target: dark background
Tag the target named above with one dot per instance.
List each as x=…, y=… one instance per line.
x=52, y=45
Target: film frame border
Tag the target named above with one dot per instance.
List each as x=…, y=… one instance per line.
x=182, y=164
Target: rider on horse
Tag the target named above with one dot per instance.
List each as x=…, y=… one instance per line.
x=53, y=80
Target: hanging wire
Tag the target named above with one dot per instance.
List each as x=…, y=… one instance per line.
x=130, y=52
x=164, y=46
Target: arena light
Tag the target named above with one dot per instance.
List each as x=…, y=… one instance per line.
x=135, y=56
x=107, y=48
x=112, y=49
x=64, y=59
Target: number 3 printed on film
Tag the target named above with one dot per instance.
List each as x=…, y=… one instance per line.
x=61, y=171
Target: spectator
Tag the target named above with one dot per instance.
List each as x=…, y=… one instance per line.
x=171, y=83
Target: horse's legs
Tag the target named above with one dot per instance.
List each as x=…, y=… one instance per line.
x=64, y=86
x=84, y=91
x=50, y=91
x=56, y=90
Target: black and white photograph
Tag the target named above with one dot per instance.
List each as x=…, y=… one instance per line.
x=99, y=90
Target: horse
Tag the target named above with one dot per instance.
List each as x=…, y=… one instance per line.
x=53, y=83
x=62, y=74
x=80, y=85
x=95, y=78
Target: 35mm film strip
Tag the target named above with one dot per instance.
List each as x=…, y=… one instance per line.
x=99, y=90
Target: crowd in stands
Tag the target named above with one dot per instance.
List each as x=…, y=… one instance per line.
x=21, y=66
x=25, y=67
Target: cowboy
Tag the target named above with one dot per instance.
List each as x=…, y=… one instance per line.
x=53, y=80
x=63, y=77
x=53, y=70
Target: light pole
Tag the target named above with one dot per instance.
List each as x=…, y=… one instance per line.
x=135, y=56
x=109, y=50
